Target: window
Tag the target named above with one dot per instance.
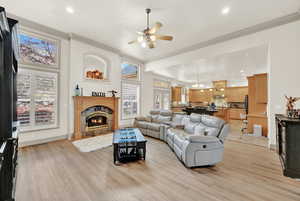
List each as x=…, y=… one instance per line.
x=161, y=94
x=37, y=99
x=130, y=71
x=130, y=100
x=38, y=50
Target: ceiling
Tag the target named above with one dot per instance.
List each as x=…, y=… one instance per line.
x=233, y=67
x=115, y=22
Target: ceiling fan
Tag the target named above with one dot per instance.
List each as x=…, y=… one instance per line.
x=148, y=37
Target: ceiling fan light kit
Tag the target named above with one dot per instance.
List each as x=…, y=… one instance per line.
x=148, y=37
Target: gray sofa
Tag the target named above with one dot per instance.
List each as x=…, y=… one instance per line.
x=197, y=140
x=154, y=125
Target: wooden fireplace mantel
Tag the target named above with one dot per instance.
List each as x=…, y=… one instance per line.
x=81, y=103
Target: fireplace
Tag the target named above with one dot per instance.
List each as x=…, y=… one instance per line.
x=94, y=115
x=96, y=120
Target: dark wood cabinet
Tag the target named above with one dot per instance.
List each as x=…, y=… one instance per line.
x=288, y=145
x=8, y=96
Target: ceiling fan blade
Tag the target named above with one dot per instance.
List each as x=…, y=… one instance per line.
x=156, y=27
x=159, y=37
x=131, y=42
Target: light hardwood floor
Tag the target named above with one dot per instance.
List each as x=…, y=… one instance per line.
x=58, y=172
x=235, y=135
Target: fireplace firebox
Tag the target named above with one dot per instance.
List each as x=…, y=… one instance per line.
x=96, y=120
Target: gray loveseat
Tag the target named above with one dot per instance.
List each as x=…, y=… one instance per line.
x=197, y=140
x=154, y=125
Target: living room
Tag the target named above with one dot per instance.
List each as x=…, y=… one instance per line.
x=196, y=87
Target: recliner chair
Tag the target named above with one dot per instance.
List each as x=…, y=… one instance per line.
x=200, y=141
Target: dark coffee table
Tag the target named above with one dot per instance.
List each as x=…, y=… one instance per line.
x=129, y=144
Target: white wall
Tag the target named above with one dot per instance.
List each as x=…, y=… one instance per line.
x=71, y=74
x=77, y=51
x=284, y=63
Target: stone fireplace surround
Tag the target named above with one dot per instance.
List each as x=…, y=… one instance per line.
x=86, y=107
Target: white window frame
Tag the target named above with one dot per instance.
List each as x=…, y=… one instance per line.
x=162, y=91
x=123, y=117
x=32, y=126
x=139, y=71
x=43, y=69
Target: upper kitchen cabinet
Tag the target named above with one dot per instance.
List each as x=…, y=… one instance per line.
x=200, y=95
x=176, y=94
x=236, y=94
x=261, y=82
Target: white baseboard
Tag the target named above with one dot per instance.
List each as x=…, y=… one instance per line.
x=42, y=141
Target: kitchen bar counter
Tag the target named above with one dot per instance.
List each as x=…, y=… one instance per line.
x=226, y=113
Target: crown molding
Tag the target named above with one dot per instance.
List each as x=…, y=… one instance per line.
x=237, y=34
x=42, y=28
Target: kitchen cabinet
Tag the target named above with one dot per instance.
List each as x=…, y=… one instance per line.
x=258, y=119
x=236, y=94
x=235, y=113
x=257, y=102
x=176, y=94
x=200, y=95
x=223, y=114
x=261, y=93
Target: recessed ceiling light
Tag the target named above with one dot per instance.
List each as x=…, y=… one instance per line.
x=242, y=71
x=226, y=10
x=69, y=9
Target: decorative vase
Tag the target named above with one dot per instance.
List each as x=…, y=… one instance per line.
x=77, y=90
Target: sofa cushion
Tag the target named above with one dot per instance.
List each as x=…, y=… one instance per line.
x=154, y=115
x=140, y=118
x=202, y=129
x=162, y=118
x=153, y=126
x=212, y=121
x=154, y=112
x=166, y=113
x=142, y=124
x=154, y=118
x=190, y=127
x=179, y=140
x=191, y=123
x=196, y=118
x=143, y=119
x=210, y=131
x=177, y=119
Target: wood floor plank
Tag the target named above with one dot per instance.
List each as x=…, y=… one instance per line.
x=59, y=172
